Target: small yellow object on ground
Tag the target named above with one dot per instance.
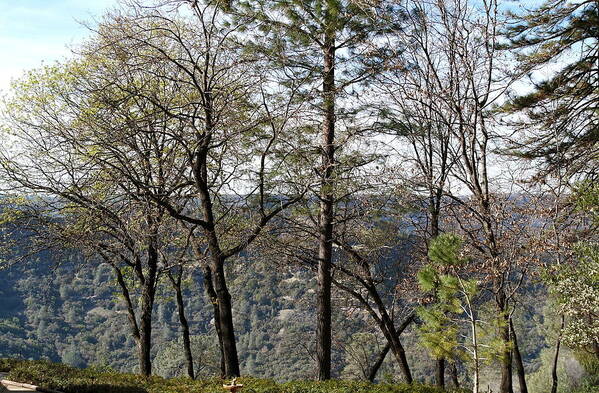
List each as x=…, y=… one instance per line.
x=10, y=386
x=7, y=387
x=233, y=387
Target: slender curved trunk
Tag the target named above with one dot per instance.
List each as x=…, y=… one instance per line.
x=474, y=331
x=400, y=355
x=518, y=360
x=392, y=335
x=134, y=327
x=554, y=380
x=385, y=324
x=506, y=385
x=379, y=362
x=388, y=328
x=184, y=324
x=475, y=385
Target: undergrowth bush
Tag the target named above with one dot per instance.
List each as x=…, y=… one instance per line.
x=7, y=364
x=72, y=380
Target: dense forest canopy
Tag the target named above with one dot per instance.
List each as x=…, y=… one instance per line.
x=387, y=190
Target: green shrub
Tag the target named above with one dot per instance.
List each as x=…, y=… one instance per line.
x=7, y=364
x=587, y=387
x=72, y=380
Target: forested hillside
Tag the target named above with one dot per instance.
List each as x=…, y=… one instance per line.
x=69, y=311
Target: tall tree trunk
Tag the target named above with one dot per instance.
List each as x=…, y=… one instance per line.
x=556, y=357
x=214, y=300
x=379, y=362
x=518, y=360
x=209, y=287
x=145, y=339
x=225, y=316
x=223, y=308
x=506, y=385
x=327, y=202
x=440, y=373
x=147, y=305
x=506, y=363
x=183, y=320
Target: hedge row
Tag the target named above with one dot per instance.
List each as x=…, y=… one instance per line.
x=72, y=380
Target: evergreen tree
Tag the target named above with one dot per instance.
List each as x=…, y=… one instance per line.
x=562, y=109
x=326, y=47
x=455, y=306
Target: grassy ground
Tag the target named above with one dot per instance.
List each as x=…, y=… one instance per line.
x=72, y=380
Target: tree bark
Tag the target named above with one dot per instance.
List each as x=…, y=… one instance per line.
x=400, y=355
x=184, y=324
x=130, y=314
x=506, y=364
x=222, y=304
x=327, y=202
x=216, y=286
x=225, y=317
x=142, y=331
x=506, y=385
x=385, y=324
x=435, y=202
x=214, y=300
x=145, y=338
x=518, y=359
x=454, y=374
x=475, y=355
x=379, y=362
x=147, y=306
x=392, y=335
x=554, y=380
x=440, y=373
x=388, y=328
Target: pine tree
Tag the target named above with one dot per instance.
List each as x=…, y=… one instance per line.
x=562, y=108
x=326, y=47
x=455, y=307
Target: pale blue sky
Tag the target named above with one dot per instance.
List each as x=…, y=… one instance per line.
x=32, y=31
x=36, y=31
